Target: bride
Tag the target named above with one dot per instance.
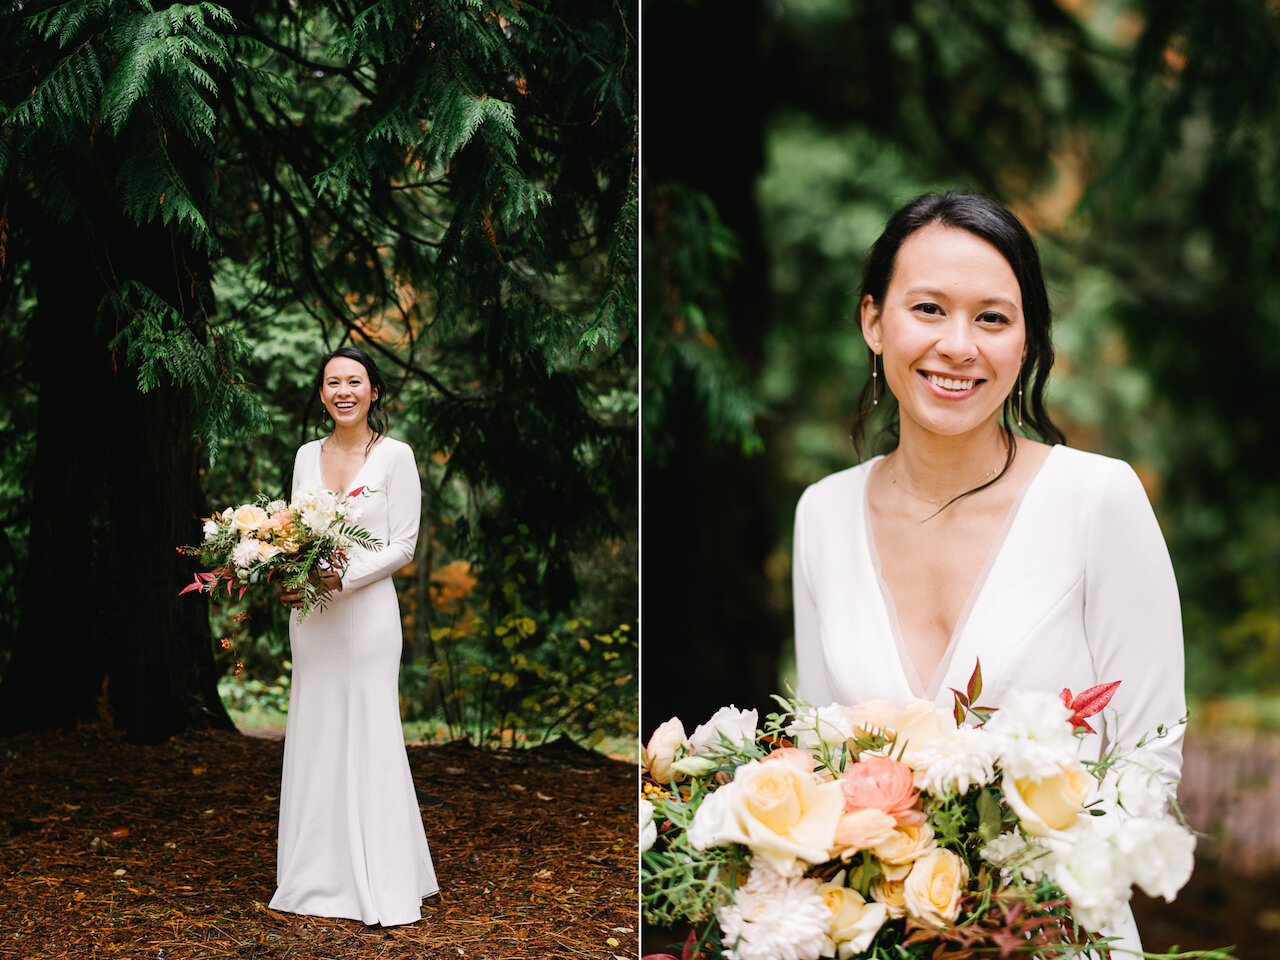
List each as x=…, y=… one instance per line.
x=969, y=541
x=351, y=842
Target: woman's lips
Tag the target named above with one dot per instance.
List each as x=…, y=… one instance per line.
x=951, y=388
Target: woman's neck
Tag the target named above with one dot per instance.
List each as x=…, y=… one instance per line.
x=352, y=438
x=937, y=466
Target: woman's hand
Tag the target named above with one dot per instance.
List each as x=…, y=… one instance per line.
x=326, y=580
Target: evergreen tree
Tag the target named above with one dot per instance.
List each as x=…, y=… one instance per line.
x=450, y=184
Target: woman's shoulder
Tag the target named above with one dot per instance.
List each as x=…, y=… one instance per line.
x=1096, y=478
x=308, y=448
x=842, y=487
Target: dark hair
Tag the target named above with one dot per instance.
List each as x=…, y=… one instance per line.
x=377, y=417
x=984, y=218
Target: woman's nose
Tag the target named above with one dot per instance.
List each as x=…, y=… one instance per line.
x=956, y=341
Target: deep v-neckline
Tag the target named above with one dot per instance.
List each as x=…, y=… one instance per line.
x=905, y=663
x=354, y=477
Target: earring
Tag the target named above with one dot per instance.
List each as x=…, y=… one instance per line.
x=1019, y=398
x=875, y=378
x=324, y=414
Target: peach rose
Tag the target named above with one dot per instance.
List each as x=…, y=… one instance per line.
x=802, y=760
x=882, y=783
x=932, y=890
x=658, y=755
x=862, y=829
x=1051, y=804
x=891, y=894
x=248, y=518
x=874, y=716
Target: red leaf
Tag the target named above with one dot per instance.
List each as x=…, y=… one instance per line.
x=197, y=585
x=242, y=590
x=356, y=492
x=1088, y=703
x=975, y=682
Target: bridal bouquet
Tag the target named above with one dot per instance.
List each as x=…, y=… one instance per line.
x=254, y=542
x=879, y=831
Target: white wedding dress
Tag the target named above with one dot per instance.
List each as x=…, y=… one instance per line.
x=1077, y=590
x=351, y=842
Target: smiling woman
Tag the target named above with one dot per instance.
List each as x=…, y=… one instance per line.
x=351, y=842
x=969, y=541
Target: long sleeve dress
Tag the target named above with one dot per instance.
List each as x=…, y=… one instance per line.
x=351, y=842
x=1077, y=590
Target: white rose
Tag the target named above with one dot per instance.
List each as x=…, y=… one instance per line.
x=1092, y=875
x=648, y=829
x=658, y=755
x=831, y=725
x=1158, y=853
x=210, y=529
x=727, y=723
x=780, y=812
x=275, y=506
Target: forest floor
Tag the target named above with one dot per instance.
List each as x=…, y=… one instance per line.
x=168, y=852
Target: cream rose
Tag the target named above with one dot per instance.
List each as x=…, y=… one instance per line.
x=891, y=894
x=782, y=814
x=908, y=843
x=248, y=518
x=658, y=755
x=918, y=724
x=854, y=921
x=933, y=887
x=1050, y=805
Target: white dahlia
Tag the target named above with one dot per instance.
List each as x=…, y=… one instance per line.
x=774, y=917
x=1032, y=734
x=955, y=761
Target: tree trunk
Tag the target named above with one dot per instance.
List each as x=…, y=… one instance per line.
x=117, y=490
x=707, y=527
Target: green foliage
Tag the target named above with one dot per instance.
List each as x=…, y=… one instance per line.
x=451, y=186
x=687, y=333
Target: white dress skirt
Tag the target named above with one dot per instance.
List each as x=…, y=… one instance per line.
x=1077, y=590
x=351, y=842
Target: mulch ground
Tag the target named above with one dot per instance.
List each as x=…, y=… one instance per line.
x=168, y=852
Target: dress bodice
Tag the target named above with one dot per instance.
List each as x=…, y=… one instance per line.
x=1078, y=590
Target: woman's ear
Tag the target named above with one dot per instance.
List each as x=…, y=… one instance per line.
x=869, y=314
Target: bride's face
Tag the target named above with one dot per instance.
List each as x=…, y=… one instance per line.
x=345, y=391
x=950, y=331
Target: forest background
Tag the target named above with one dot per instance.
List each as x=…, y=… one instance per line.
x=198, y=202
x=1140, y=142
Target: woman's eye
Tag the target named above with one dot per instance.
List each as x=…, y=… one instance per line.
x=993, y=317
x=931, y=309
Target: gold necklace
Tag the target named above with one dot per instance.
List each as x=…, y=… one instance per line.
x=934, y=501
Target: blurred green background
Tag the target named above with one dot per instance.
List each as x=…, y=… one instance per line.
x=1140, y=142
